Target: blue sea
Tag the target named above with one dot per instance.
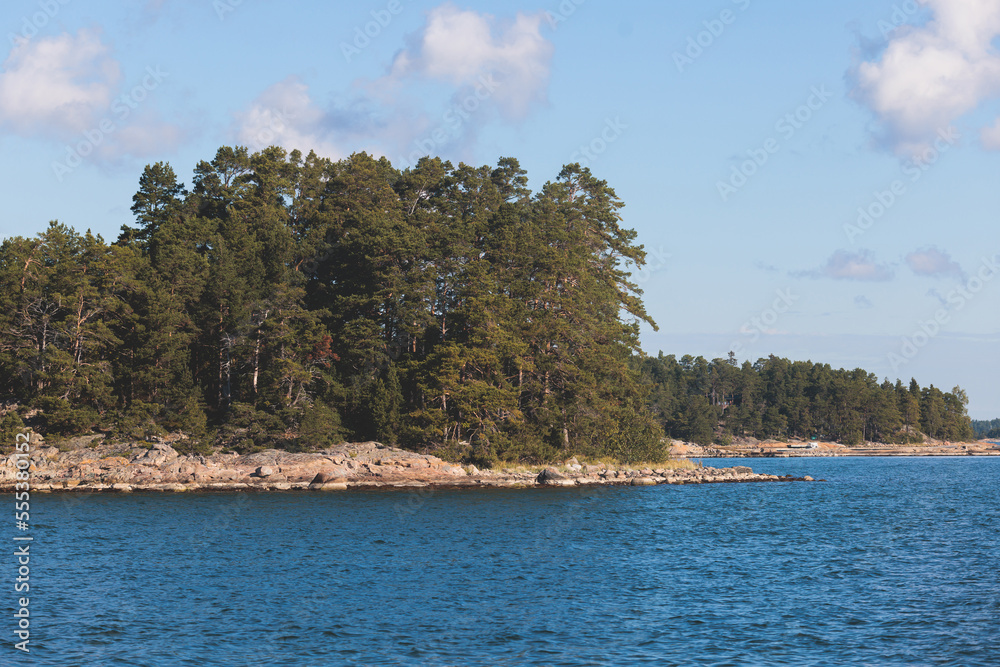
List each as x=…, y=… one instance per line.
x=891, y=561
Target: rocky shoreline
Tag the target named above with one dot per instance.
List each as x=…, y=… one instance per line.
x=94, y=467
x=752, y=448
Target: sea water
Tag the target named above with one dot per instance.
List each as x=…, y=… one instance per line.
x=888, y=561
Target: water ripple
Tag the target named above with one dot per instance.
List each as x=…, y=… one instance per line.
x=891, y=562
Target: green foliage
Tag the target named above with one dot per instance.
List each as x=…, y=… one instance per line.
x=248, y=430
x=290, y=301
x=320, y=427
x=138, y=422
x=485, y=453
x=11, y=425
x=386, y=400
x=190, y=418
x=60, y=417
x=192, y=446
x=702, y=402
x=634, y=438
x=986, y=429
x=851, y=438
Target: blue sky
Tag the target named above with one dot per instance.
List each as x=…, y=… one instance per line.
x=812, y=180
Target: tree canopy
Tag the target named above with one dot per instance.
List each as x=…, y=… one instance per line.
x=289, y=301
x=987, y=429
x=712, y=401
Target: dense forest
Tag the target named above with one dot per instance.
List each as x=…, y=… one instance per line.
x=987, y=429
x=292, y=302
x=705, y=402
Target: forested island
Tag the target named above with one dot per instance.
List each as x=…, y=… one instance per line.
x=987, y=429
x=705, y=402
x=294, y=302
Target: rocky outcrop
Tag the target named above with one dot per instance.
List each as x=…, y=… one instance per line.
x=552, y=477
x=752, y=448
x=93, y=466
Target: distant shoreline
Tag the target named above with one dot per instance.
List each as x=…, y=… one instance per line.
x=783, y=450
x=827, y=455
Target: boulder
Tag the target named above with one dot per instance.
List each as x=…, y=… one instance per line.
x=643, y=481
x=265, y=471
x=549, y=474
x=552, y=477
x=159, y=454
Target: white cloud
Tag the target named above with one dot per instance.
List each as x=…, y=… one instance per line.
x=68, y=89
x=930, y=76
x=933, y=262
x=284, y=115
x=462, y=47
x=990, y=136
x=57, y=85
x=846, y=265
x=493, y=69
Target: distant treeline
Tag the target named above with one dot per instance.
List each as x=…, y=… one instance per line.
x=712, y=401
x=292, y=302
x=987, y=429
